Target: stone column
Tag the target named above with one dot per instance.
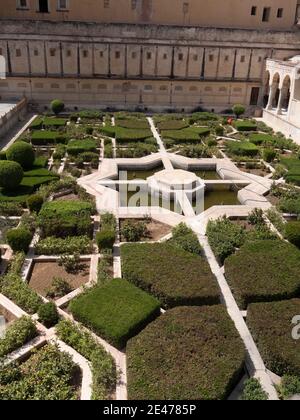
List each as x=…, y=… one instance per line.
x=271, y=97
x=280, y=102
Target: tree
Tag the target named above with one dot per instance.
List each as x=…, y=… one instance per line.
x=57, y=106
x=238, y=110
x=21, y=153
x=11, y=174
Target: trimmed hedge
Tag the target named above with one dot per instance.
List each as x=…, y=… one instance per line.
x=105, y=239
x=271, y=327
x=21, y=153
x=172, y=125
x=174, y=276
x=187, y=135
x=189, y=353
x=116, y=312
x=66, y=218
x=245, y=125
x=258, y=138
x=75, y=147
x=124, y=135
x=43, y=138
x=263, y=271
x=11, y=174
x=133, y=123
x=243, y=148
x=17, y=334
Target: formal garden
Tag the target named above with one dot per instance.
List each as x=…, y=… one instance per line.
x=111, y=302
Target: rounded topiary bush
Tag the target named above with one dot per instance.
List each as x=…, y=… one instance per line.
x=292, y=232
x=35, y=203
x=57, y=106
x=11, y=174
x=19, y=239
x=48, y=314
x=105, y=239
x=21, y=153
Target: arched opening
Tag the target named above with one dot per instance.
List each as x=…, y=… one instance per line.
x=276, y=90
x=286, y=94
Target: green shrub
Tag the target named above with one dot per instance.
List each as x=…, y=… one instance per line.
x=263, y=271
x=103, y=365
x=187, y=135
x=75, y=147
x=189, y=353
x=66, y=218
x=19, y=239
x=245, y=125
x=172, y=125
x=47, y=375
x=292, y=233
x=258, y=138
x=133, y=231
x=269, y=155
x=133, y=123
x=174, y=276
x=70, y=245
x=57, y=106
x=11, y=209
x=224, y=237
x=48, y=314
x=186, y=239
x=35, y=203
x=219, y=131
x=59, y=288
x=19, y=333
x=253, y=391
x=243, y=148
x=289, y=386
x=11, y=174
x=51, y=122
x=271, y=327
x=105, y=239
x=21, y=153
x=41, y=138
x=116, y=311
x=238, y=110
x=15, y=289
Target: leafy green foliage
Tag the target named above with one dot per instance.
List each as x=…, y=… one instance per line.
x=103, y=366
x=187, y=135
x=271, y=328
x=238, y=110
x=253, y=391
x=48, y=314
x=189, y=353
x=69, y=245
x=116, y=311
x=75, y=147
x=59, y=288
x=224, y=237
x=105, y=239
x=11, y=174
x=21, y=153
x=134, y=231
x=66, y=218
x=243, y=148
x=289, y=386
x=186, y=239
x=57, y=106
x=19, y=239
x=17, y=334
x=47, y=375
x=263, y=271
x=174, y=276
x=35, y=203
x=245, y=125
x=292, y=233
x=15, y=289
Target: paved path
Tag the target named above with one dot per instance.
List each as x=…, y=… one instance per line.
x=19, y=128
